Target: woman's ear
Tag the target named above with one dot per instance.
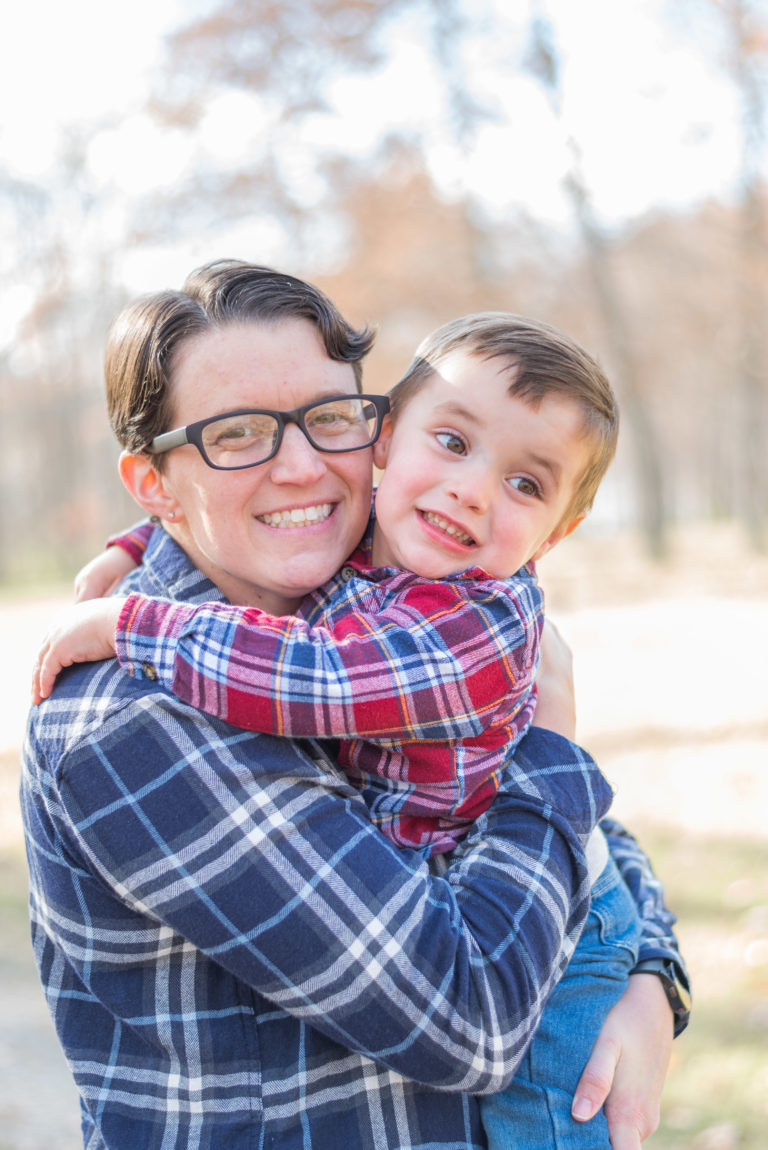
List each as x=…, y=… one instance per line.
x=381, y=446
x=146, y=484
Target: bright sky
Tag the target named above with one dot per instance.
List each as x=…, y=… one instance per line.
x=656, y=122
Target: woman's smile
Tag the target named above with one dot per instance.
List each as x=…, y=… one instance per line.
x=297, y=516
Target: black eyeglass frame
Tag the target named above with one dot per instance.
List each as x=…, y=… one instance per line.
x=193, y=432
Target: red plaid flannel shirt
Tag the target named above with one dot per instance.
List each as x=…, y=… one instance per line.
x=429, y=684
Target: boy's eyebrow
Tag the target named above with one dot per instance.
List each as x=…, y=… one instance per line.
x=554, y=467
x=453, y=407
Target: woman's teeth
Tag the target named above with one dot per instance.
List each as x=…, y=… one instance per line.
x=298, y=517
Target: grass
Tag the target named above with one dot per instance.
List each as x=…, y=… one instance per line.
x=13, y=901
x=716, y=1095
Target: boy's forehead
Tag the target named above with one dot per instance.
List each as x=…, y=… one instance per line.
x=463, y=371
x=470, y=357
x=480, y=391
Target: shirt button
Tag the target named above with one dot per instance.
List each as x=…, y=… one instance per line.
x=346, y=574
x=149, y=670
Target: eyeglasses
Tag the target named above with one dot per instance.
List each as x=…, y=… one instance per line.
x=249, y=437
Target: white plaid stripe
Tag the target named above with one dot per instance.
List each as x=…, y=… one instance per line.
x=192, y=914
x=384, y=658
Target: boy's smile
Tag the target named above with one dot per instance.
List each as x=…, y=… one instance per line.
x=475, y=476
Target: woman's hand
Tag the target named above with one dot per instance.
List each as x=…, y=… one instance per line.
x=103, y=574
x=628, y=1064
x=556, y=702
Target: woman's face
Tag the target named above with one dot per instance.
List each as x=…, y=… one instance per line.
x=229, y=522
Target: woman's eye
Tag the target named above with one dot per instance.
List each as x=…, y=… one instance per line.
x=237, y=435
x=525, y=485
x=322, y=420
x=452, y=442
x=228, y=435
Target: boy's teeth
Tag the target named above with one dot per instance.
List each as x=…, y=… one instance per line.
x=448, y=528
x=298, y=517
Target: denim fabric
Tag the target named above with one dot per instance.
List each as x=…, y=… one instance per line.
x=235, y=957
x=534, y=1112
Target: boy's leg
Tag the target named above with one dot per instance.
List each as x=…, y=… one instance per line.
x=534, y=1112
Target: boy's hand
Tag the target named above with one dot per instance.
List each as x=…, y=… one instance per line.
x=85, y=633
x=103, y=574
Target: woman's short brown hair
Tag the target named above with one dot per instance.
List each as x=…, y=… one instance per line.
x=146, y=336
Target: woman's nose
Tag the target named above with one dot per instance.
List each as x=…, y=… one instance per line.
x=297, y=461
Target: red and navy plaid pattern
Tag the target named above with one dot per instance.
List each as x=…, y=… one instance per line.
x=235, y=957
x=430, y=683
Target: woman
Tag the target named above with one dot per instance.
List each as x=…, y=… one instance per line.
x=230, y=949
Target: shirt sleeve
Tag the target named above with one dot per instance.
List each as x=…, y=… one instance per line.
x=658, y=939
x=435, y=661
x=178, y=831
x=134, y=541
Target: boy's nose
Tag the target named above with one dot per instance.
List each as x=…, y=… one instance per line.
x=471, y=488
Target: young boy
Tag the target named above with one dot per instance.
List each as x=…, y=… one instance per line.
x=422, y=653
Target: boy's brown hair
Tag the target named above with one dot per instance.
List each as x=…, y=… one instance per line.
x=542, y=361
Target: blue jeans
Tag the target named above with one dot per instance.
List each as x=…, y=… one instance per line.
x=534, y=1112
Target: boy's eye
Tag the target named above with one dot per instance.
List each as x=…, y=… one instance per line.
x=525, y=485
x=452, y=442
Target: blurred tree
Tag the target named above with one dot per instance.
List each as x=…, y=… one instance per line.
x=286, y=55
x=674, y=274
x=415, y=259
x=746, y=24
x=55, y=447
x=281, y=59
x=739, y=29
x=656, y=300
x=543, y=63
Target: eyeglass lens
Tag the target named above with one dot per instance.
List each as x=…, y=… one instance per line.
x=342, y=424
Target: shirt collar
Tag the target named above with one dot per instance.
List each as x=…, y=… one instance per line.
x=167, y=572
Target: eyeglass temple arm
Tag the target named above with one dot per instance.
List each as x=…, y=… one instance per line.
x=169, y=440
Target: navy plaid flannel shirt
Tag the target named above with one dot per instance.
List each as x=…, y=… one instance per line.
x=235, y=957
x=430, y=682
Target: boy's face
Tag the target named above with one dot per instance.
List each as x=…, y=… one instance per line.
x=474, y=476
